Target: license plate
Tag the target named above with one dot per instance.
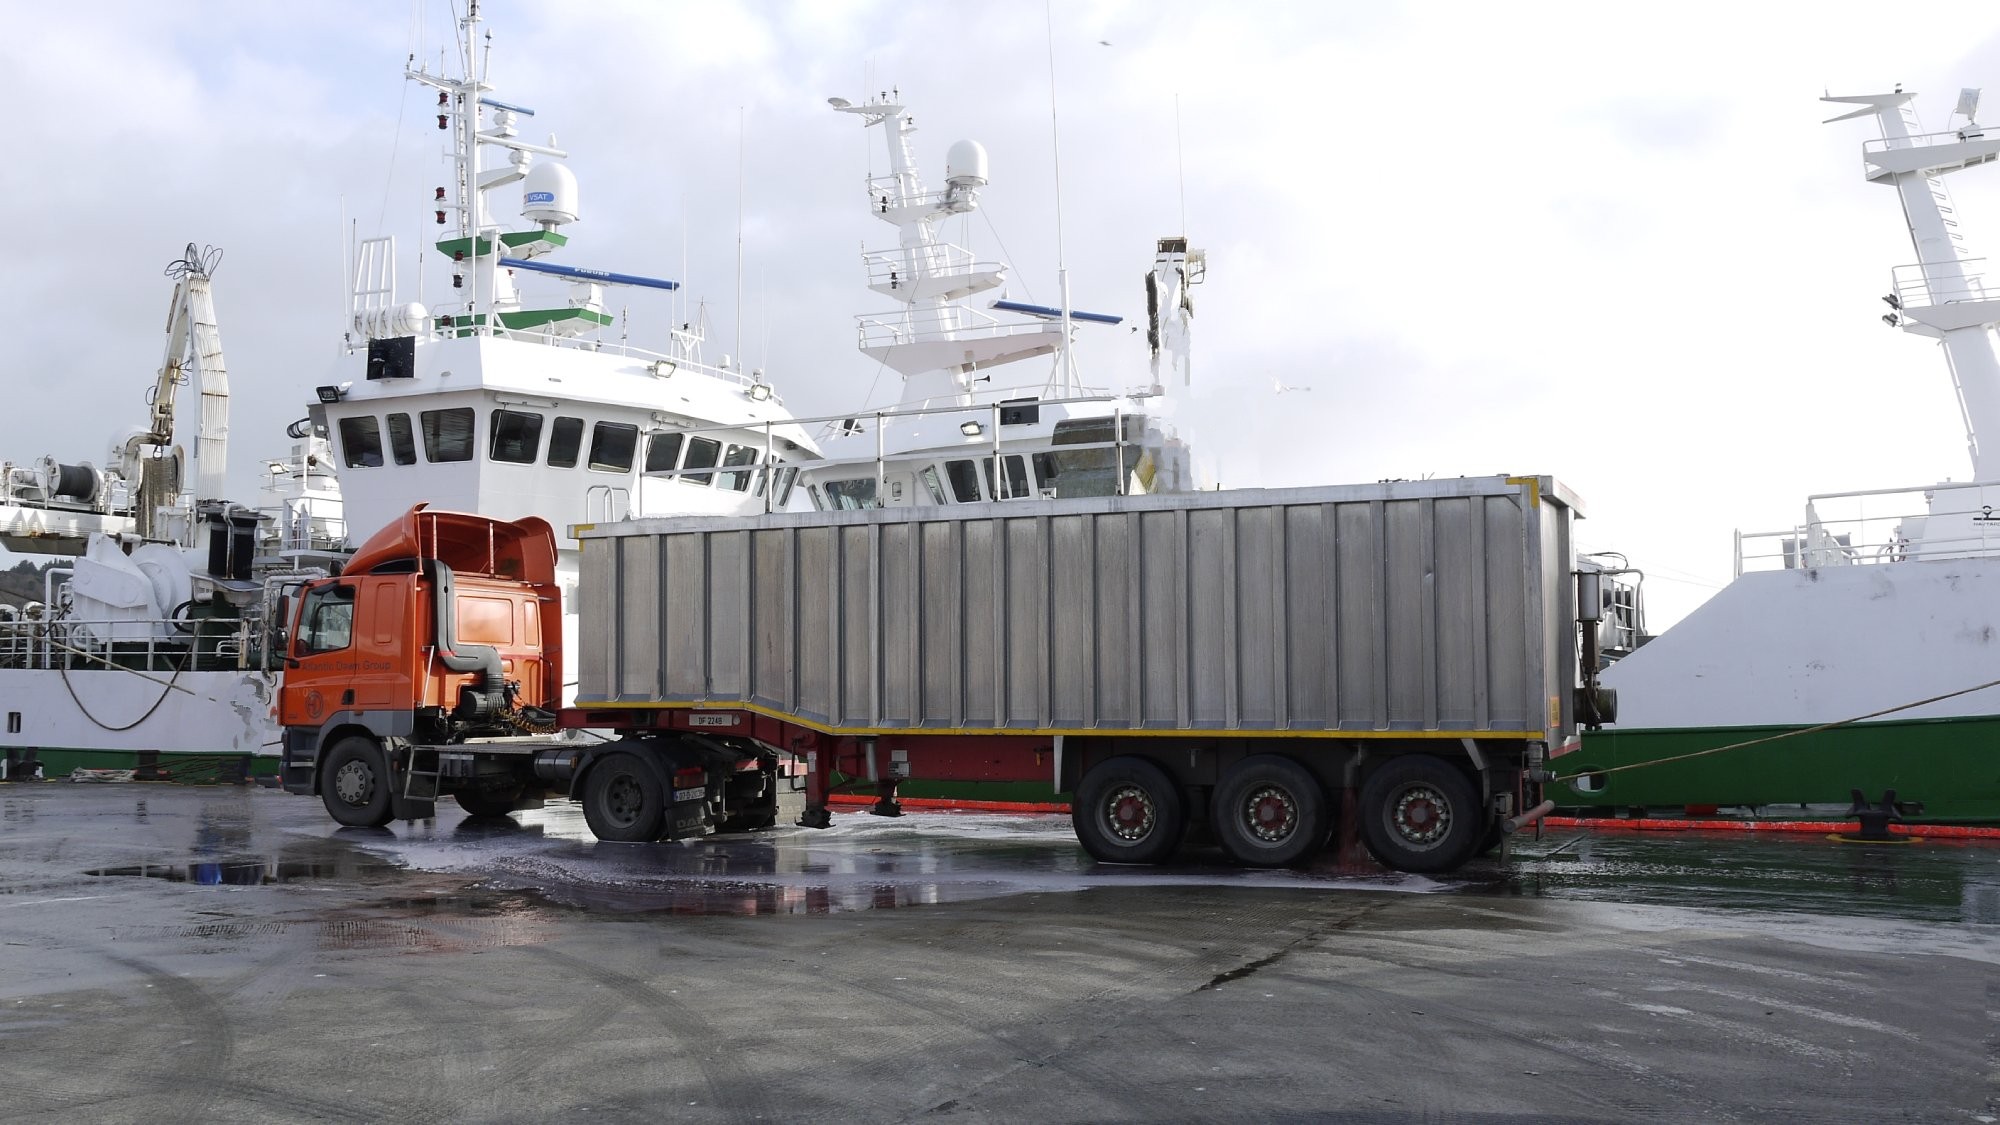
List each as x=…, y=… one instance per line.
x=711, y=720
x=698, y=793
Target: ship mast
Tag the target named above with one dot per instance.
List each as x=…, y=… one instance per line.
x=1938, y=295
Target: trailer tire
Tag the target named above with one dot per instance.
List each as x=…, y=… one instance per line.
x=624, y=800
x=1127, y=810
x=1270, y=811
x=494, y=800
x=1420, y=814
x=354, y=783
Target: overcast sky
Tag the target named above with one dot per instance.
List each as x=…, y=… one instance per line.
x=1608, y=242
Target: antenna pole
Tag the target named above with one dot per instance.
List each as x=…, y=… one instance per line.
x=738, y=347
x=1066, y=363
x=1180, y=161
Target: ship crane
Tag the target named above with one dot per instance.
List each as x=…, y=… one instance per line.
x=193, y=353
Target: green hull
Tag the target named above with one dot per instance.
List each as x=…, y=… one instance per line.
x=193, y=769
x=1949, y=767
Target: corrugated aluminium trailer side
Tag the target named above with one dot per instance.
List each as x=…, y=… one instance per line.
x=1423, y=608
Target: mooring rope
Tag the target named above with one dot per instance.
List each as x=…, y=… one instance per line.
x=1592, y=772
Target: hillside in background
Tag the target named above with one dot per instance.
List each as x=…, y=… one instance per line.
x=22, y=582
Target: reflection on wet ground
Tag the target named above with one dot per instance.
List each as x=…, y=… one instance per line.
x=861, y=863
x=1937, y=881
x=251, y=838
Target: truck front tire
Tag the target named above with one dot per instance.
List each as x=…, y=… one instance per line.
x=1420, y=814
x=1128, y=811
x=354, y=783
x=624, y=800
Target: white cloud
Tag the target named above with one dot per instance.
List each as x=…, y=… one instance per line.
x=1608, y=242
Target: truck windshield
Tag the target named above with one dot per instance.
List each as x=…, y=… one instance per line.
x=327, y=621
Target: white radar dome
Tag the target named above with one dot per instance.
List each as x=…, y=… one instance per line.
x=548, y=194
x=965, y=164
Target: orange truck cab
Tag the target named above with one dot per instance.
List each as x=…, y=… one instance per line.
x=444, y=627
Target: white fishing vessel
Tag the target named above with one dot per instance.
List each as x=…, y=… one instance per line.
x=514, y=397
x=508, y=400
x=970, y=426
x=1881, y=605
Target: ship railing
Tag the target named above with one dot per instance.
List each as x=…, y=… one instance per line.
x=981, y=422
x=661, y=363
x=142, y=645
x=1881, y=525
x=949, y=322
x=1924, y=140
x=1916, y=288
x=899, y=267
x=885, y=193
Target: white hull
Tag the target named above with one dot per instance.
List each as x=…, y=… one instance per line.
x=203, y=713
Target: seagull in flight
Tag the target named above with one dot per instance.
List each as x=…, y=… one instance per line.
x=1278, y=385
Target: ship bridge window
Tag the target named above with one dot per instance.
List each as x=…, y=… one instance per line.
x=402, y=439
x=929, y=475
x=326, y=623
x=517, y=437
x=1016, y=469
x=778, y=477
x=663, y=452
x=1090, y=472
x=361, y=442
x=964, y=480
x=447, y=434
x=702, y=454
x=738, y=457
x=565, y=440
x=851, y=495
x=612, y=445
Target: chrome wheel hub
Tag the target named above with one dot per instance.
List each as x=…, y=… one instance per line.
x=1421, y=815
x=1129, y=813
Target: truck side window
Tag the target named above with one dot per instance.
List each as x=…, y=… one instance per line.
x=402, y=439
x=565, y=439
x=447, y=434
x=327, y=622
x=361, y=442
x=612, y=445
x=517, y=437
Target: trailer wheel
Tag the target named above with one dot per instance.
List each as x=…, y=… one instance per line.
x=1128, y=811
x=623, y=800
x=1270, y=811
x=1420, y=814
x=354, y=783
x=497, y=800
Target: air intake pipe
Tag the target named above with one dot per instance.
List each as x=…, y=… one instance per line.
x=485, y=702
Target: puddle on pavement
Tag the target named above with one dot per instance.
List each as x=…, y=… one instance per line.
x=1943, y=881
x=253, y=872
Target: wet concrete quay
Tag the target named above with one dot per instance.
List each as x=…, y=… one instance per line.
x=178, y=953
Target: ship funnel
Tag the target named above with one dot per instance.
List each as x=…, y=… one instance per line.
x=548, y=195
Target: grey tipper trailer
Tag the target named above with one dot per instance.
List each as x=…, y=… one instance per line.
x=1267, y=663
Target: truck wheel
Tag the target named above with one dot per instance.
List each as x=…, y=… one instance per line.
x=623, y=800
x=1269, y=811
x=1419, y=814
x=498, y=800
x=1128, y=811
x=354, y=783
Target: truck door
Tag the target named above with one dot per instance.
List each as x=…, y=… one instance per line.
x=322, y=665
